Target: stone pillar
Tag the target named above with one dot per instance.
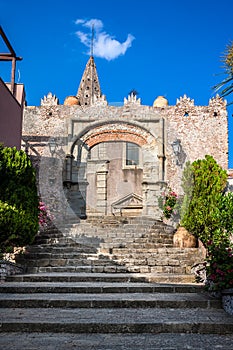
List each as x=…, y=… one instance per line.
x=101, y=191
x=151, y=192
x=161, y=147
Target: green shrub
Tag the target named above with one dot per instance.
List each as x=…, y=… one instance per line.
x=207, y=212
x=18, y=199
x=203, y=183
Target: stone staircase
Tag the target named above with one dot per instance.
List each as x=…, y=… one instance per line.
x=80, y=286
x=104, y=303
x=112, y=245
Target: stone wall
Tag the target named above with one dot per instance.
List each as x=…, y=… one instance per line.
x=201, y=130
x=52, y=131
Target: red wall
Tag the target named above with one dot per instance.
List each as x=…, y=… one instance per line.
x=11, y=116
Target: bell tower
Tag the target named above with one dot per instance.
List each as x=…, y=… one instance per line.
x=89, y=85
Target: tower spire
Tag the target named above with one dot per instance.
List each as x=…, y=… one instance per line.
x=89, y=87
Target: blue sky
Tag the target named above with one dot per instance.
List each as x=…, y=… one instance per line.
x=158, y=47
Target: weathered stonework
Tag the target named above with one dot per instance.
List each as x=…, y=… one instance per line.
x=81, y=150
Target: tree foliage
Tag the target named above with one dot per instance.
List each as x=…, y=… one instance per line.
x=18, y=199
x=225, y=87
x=208, y=214
x=203, y=183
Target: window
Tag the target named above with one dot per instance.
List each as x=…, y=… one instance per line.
x=132, y=154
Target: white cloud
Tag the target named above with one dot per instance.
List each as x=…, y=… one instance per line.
x=83, y=38
x=105, y=45
x=79, y=21
x=97, y=23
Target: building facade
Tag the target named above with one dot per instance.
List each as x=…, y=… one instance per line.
x=97, y=159
x=12, y=100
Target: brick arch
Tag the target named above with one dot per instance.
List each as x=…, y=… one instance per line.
x=116, y=135
x=116, y=131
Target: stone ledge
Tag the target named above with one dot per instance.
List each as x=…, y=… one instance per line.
x=8, y=268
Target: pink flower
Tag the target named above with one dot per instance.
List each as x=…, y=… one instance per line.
x=213, y=277
x=173, y=194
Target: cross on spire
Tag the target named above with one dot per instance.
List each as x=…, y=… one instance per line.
x=92, y=40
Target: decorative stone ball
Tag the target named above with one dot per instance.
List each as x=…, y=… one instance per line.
x=71, y=101
x=160, y=101
x=183, y=239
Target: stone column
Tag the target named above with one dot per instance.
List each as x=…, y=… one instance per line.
x=161, y=148
x=101, y=191
x=151, y=193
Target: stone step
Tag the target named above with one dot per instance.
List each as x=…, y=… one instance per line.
x=108, y=300
x=135, y=230
x=82, y=254
x=77, y=269
x=118, y=341
x=54, y=262
x=133, y=266
x=116, y=320
x=60, y=249
x=54, y=240
x=132, y=244
x=147, y=258
x=153, y=259
x=134, y=227
x=95, y=287
x=101, y=277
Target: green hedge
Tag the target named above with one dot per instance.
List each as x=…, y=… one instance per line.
x=18, y=199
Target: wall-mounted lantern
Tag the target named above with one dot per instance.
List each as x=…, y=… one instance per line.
x=52, y=146
x=67, y=181
x=176, y=147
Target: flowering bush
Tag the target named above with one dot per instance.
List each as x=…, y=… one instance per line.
x=219, y=264
x=168, y=203
x=45, y=217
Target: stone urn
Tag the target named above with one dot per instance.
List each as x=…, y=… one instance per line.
x=227, y=300
x=183, y=239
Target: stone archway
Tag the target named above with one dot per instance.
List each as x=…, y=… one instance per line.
x=115, y=132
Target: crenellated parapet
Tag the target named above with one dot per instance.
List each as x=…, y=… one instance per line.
x=217, y=101
x=217, y=107
x=49, y=100
x=184, y=102
x=100, y=101
x=132, y=100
